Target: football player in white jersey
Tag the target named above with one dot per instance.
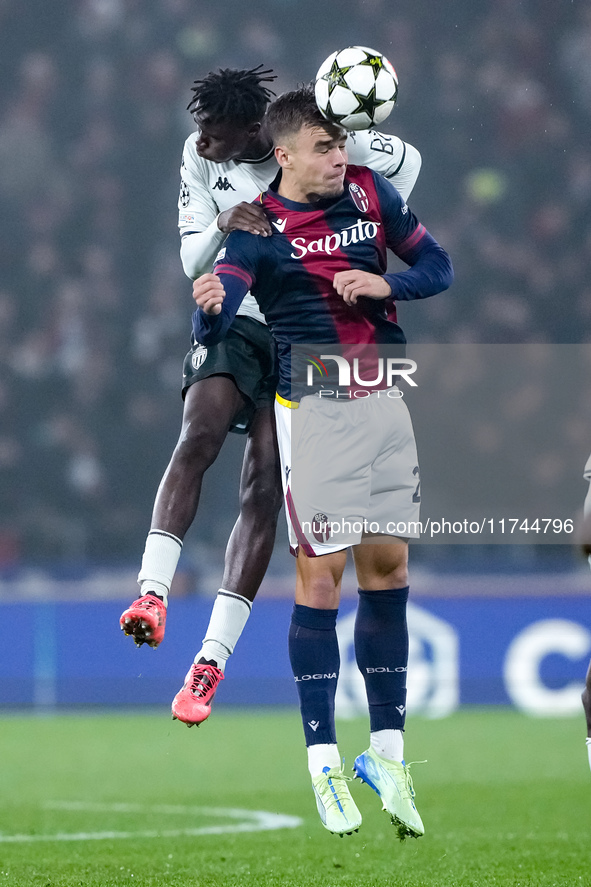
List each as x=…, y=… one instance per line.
x=231, y=386
x=586, y=540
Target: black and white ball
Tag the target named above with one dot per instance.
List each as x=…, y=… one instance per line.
x=356, y=87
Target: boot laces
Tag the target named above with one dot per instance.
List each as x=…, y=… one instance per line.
x=204, y=679
x=408, y=778
x=151, y=603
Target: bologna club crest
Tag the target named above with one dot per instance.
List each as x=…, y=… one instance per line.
x=321, y=527
x=360, y=198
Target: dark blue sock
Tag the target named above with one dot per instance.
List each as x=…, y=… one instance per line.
x=381, y=651
x=315, y=661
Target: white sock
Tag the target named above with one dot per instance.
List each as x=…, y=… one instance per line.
x=321, y=756
x=161, y=556
x=388, y=744
x=228, y=617
x=589, y=749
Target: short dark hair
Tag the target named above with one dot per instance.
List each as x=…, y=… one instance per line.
x=292, y=110
x=232, y=95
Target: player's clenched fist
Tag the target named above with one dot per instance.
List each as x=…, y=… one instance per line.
x=209, y=293
x=353, y=283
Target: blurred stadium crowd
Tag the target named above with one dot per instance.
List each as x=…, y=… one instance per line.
x=94, y=307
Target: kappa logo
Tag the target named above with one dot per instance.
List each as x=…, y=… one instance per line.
x=223, y=185
x=198, y=357
x=280, y=225
x=314, y=725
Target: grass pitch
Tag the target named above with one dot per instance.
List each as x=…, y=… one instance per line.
x=105, y=799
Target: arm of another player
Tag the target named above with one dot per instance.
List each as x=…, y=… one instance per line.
x=388, y=155
x=201, y=238
x=199, y=249
x=203, y=228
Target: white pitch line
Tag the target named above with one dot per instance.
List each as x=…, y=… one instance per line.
x=248, y=821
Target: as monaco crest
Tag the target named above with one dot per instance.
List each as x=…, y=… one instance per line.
x=198, y=357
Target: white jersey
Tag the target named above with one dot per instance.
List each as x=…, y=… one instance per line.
x=208, y=189
x=587, y=476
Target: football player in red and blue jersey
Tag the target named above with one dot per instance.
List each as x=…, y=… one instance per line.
x=226, y=163
x=322, y=278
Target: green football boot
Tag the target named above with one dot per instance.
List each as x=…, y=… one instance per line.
x=337, y=809
x=393, y=783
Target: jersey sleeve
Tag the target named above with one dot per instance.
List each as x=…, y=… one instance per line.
x=387, y=155
x=201, y=238
x=430, y=270
x=235, y=265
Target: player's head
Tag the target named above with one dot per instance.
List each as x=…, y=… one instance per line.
x=228, y=106
x=309, y=149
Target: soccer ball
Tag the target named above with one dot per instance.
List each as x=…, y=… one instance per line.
x=356, y=87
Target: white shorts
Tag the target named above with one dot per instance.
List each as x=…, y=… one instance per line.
x=350, y=471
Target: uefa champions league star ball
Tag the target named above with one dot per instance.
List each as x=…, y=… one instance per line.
x=356, y=87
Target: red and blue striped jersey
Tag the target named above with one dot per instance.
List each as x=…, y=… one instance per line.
x=291, y=273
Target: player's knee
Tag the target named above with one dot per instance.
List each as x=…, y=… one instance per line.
x=198, y=446
x=398, y=576
x=393, y=569
x=261, y=497
x=320, y=592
